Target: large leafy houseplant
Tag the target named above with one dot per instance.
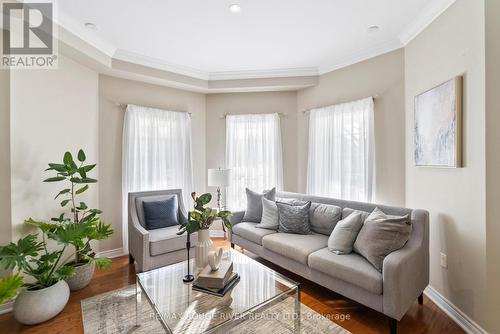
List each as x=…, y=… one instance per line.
x=201, y=218
x=83, y=224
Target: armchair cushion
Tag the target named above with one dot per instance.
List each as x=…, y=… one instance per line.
x=166, y=240
x=160, y=214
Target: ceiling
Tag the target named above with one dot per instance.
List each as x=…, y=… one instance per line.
x=268, y=38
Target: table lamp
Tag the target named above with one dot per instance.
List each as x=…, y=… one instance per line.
x=218, y=177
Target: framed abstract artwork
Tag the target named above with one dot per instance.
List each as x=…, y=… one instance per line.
x=438, y=125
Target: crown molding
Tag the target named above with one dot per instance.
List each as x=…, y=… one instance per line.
x=430, y=12
x=263, y=74
x=362, y=55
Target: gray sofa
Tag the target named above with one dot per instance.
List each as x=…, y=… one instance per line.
x=405, y=272
x=155, y=248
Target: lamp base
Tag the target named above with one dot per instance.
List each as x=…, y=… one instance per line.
x=188, y=279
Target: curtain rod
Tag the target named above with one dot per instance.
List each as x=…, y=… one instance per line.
x=305, y=112
x=281, y=114
x=124, y=106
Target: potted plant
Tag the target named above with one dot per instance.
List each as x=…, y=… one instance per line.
x=199, y=220
x=47, y=293
x=81, y=217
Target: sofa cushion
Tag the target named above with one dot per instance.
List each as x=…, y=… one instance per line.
x=381, y=235
x=351, y=268
x=250, y=232
x=162, y=213
x=294, y=218
x=139, y=203
x=324, y=217
x=253, y=213
x=166, y=240
x=295, y=246
x=269, y=215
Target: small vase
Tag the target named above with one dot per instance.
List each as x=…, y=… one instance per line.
x=202, y=247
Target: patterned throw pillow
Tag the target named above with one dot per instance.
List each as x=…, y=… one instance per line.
x=294, y=218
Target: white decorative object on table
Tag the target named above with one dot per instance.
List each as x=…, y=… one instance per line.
x=214, y=258
x=203, y=246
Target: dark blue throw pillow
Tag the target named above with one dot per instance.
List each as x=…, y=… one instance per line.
x=160, y=214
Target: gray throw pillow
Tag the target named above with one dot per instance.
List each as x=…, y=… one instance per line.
x=269, y=215
x=381, y=235
x=324, y=217
x=347, y=211
x=253, y=212
x=294, y=218
x=343, y=236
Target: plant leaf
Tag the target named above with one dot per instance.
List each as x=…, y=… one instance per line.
x=9, y=287
x=82, y=189
x=63, y=203
x=68, y=159
x=89, y=180
x=88, y=168
x=81, y=155
x=64, y=191
x=76, y=180
x=55, y=179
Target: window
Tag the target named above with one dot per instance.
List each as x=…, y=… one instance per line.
x=341, y=151
x=156, y=153
x=254, y=155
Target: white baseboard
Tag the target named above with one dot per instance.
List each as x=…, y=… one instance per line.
x=112, y=253
x=467, y=324
x=6, y=307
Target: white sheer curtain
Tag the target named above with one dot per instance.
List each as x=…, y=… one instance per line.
x=341, y=151
x=254, y=155
x=156, y=153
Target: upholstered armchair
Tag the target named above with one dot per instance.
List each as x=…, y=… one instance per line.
x=155, y=248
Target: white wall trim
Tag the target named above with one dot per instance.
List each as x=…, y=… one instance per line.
x=7, y=307
x=263, y=74
x=112, y=253
x=431, y=12
x=463, y=320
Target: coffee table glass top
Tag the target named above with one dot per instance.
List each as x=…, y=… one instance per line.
x=183, y=310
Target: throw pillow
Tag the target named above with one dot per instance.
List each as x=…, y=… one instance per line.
x=294, y=218
x=253, y=212
x=160, y=214
x=324, y=217
x=269, y=215
x=381, y=235
x=347, y=211
x=343, y=236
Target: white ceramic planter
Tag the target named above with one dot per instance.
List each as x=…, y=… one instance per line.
x=81, y=278
x=37, y=306
x=202, y=247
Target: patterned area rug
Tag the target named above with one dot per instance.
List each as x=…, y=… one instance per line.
x=114, y=313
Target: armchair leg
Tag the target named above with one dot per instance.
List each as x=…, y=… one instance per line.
x=421, y=298
x=130, y=259
x=232, y=245
x=393, y=325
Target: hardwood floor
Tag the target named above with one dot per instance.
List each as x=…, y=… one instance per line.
x=420, y=319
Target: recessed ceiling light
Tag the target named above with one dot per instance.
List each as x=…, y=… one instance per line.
x=373, y=29
x=90, y=25
x=235, y=8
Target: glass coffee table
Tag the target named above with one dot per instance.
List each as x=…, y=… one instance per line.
x=180, y=309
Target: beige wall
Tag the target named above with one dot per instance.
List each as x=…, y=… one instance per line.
x=113, y=91
x=5, y=225
x=253, y=103
x=450, y=46
x=493, y=161
x=53, y=111
x=383, y=78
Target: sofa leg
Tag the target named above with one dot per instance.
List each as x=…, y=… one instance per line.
x=130, y=259
x=393, y=325
x=421, y=298
x=232, y=245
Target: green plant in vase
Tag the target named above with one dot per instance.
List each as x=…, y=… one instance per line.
x=199, y=220
x=82, y=222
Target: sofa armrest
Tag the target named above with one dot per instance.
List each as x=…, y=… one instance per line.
x=138, y=240
x=406, y=271
x=236, y=217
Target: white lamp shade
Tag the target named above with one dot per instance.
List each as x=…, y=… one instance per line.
x=218, y=177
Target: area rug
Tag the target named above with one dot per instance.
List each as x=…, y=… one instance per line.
x=114, y=313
